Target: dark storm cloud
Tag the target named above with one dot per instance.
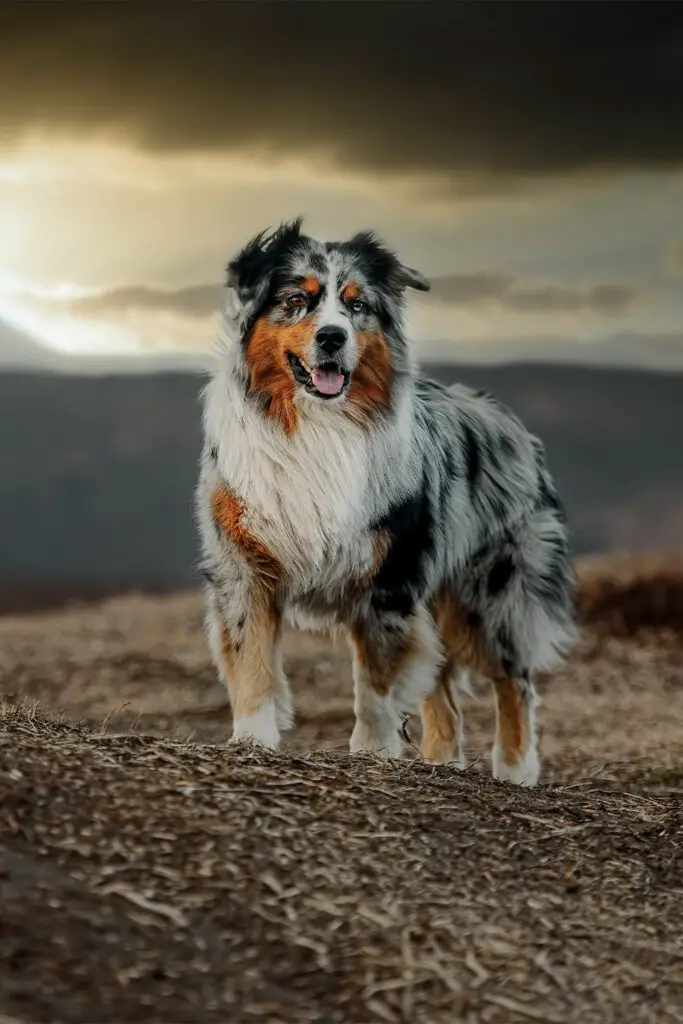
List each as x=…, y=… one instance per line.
x=504, y=290
x=492, y=90
x=487, y=287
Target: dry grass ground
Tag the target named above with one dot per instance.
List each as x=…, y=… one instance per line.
x=149, y=874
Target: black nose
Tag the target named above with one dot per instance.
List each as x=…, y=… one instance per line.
x=331, y=339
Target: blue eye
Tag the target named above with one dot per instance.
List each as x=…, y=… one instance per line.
x=358, y=306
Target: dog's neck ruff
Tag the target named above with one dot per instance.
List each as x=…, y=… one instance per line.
x=309, y=494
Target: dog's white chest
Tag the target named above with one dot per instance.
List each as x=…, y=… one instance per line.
x=304, y=495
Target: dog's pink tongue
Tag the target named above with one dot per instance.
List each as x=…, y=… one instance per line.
x=327, y=382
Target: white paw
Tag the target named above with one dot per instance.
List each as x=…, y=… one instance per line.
x=261, y=727
x=366, y=739
x=525, y=773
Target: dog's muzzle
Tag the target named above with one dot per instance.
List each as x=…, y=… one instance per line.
x=327, y=379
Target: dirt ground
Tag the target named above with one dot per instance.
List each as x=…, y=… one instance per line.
x=149, y=873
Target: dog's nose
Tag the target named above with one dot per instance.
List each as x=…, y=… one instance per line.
x=331, y=339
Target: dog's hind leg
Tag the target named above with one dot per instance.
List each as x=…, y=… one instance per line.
x=396, y=660
x=515, y=751
x=442, y=722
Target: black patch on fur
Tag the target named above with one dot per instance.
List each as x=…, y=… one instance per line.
x=549, y=499
x=474, y=620
x=262, y=255
x=317, y=263
x=472, y=457
x=263, y=259
x=450, y=464
x=499, y=576
x=410, y=526
x=450, y=473
x=376, y=261
x=492, y=451
x=552, y=585
x=213, y=453
x=480, y=557
x=507, y=446
x=508, y=655
x=209, y=577
x=386, y=321
x=508, y=667
x=399, y=601
x=316, y=298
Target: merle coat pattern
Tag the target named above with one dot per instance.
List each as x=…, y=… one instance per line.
x=341, y=489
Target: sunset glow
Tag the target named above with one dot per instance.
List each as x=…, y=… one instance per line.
x=119, y=215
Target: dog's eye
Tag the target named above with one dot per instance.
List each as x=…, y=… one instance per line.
x=297, y=299
x=358, y=306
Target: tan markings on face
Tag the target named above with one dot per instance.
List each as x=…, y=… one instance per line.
x=311, y=285
x=351, y=292
x=464, y=641
x=271, y=373
x=370, y=387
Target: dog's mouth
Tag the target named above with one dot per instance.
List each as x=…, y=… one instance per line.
x=327, y=380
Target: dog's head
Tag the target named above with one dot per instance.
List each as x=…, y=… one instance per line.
x=319, y=321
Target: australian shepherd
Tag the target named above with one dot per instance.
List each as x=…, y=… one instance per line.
x=340, y=488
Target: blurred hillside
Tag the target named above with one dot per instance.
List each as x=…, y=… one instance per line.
x=97, y=473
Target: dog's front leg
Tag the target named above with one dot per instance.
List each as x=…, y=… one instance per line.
x=244, y=635
x=246, y=651
x=395, y=663
x=244, y=620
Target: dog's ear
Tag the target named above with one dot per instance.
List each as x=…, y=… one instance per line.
x=250, y=272
x=384, y=266
x=402, y=277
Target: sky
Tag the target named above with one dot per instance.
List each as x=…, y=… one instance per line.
x=528, y=158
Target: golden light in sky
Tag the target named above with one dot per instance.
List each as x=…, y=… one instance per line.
x=101, y=218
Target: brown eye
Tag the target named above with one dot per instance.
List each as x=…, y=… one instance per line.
x=296, y=299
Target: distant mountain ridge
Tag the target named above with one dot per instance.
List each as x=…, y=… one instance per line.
x=97, y=473
x=626, y=350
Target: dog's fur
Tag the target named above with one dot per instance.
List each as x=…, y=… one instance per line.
x=421, y=519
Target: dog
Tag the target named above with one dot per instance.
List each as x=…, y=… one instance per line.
x=340, y=488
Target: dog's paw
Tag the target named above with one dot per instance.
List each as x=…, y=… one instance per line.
x=261, y=727
x=366, y=740
x=525, y=773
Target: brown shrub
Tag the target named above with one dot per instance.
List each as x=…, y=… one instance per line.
x=623, y=596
